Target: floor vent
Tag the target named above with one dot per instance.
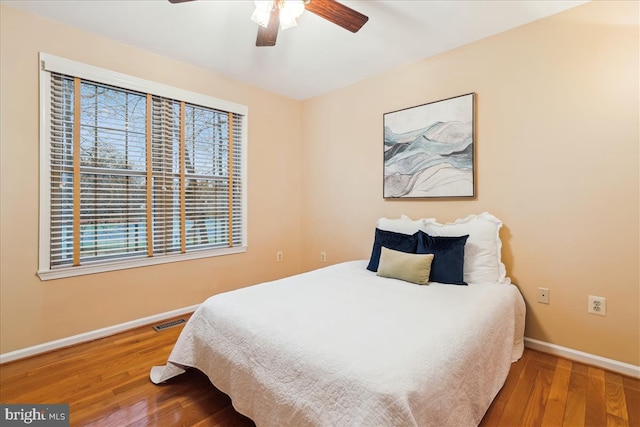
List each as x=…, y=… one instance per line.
x=167, y=325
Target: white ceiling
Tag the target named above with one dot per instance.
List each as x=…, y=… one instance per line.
x=313, y=58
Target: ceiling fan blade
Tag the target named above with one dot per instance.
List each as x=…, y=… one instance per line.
x=267, y=36
x=338, y=13
x=179, y=1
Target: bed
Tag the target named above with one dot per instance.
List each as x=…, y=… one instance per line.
x=344, y=346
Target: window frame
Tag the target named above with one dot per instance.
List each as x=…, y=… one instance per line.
x=49, y=63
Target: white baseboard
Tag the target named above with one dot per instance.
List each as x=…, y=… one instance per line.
x=586, y=358
x=92, y=335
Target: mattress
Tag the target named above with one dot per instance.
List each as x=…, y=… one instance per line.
x=340, y=346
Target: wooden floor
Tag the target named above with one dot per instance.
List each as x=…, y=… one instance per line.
x=106, y=383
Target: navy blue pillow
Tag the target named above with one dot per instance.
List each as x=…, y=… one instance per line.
x=448, y=257
x=391, y=240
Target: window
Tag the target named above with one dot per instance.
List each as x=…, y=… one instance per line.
x=135, y=173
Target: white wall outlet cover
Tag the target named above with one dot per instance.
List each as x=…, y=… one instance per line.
x=597, y=305
x=543, y=295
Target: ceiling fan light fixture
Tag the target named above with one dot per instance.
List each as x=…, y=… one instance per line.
x=262, y=13
x=288, y=10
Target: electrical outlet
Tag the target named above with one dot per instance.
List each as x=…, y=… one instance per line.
x=597, y=305
x=323, y=257
x=543, y=295
x=279, y=256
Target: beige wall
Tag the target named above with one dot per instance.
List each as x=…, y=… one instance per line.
x=33, y=312
x=557, y=161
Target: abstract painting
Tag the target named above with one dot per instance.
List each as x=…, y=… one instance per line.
x=429, y=150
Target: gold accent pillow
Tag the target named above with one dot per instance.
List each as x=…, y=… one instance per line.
x=414, y=268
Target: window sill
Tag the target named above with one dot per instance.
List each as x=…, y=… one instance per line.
x=60, y=273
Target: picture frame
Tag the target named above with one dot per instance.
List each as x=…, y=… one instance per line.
x=429, y=150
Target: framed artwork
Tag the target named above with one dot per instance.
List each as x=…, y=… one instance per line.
x=429, y=150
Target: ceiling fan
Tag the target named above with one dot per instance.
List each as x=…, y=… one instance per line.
x=271, y=15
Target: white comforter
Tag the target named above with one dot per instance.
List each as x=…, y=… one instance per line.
x=340, y=346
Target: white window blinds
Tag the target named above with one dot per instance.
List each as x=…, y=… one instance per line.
x=134, y=175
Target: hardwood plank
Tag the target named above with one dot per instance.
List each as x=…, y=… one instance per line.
x=574, y=413
x=227, y=417
x=632, y=399
x=534, y=410
x=596, y=411
x=201, y=408
x=615, y=403
x=557, y=399
x=106, y=383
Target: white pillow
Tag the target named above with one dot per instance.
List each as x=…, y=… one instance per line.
x=482, y=252
x=404, y=224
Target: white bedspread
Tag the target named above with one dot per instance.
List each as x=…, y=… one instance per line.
x=340, y=346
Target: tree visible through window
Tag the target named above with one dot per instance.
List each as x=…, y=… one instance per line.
x=135, y=174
